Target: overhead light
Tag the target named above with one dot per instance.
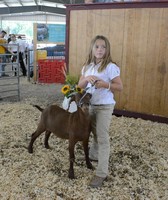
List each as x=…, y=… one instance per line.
x=28, y=3
x=14, y=4
x=2, y=6
x=61, y=5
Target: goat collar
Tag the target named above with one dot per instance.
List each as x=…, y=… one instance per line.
x=73, y=93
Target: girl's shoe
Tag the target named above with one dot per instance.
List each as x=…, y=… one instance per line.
x=97, y=181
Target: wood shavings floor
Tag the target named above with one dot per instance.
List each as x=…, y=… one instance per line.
x=138, y=161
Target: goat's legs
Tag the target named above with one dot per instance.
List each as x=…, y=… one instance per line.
x=72, y=158
x=86, y=150
x=47, y=135
x=38, y=132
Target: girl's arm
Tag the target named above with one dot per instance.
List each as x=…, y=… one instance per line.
x=114, y=85
x=83, y=81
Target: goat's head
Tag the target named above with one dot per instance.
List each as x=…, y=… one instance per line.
x=82, y=100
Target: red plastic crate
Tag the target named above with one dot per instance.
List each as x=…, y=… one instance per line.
x=50, y=71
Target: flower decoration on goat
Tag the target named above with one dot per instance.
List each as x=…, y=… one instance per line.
x=78, y=89
x=67, y=90
x=71, y=84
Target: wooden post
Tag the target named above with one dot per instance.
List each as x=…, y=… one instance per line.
x=35, y=52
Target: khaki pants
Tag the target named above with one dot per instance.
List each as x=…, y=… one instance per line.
x=100, y=149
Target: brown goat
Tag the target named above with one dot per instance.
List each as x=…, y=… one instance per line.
x=73, y=126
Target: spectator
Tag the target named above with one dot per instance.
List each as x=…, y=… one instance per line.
x=14, y=49
x=22, y=47
x=2, y=52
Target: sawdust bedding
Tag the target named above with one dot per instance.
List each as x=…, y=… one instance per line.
x=138, y=160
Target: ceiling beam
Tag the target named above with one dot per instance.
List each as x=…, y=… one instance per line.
x=25, y=9
x=66, y=1
x=54, y=10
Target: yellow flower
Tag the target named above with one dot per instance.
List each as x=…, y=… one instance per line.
x=65, y=89
x=78, y=89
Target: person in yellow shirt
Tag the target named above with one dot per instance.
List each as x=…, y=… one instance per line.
x=2, y=52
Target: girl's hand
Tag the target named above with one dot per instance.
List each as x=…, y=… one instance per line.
x=97, y=82
x=91, y=79
x=101, y=84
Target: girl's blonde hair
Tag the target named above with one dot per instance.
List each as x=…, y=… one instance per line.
x=107, y=57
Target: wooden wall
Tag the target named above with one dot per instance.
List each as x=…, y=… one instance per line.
x=139, y=44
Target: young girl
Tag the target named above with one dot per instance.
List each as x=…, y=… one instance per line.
x=100, y=71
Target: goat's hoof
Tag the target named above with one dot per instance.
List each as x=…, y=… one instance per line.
x=47, y=146
x=71, y=176
x=30, y=150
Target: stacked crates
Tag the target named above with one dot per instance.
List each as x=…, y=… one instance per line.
x=51, y=71
x=41, y=54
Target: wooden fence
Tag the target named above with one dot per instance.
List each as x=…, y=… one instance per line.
x=138, y=33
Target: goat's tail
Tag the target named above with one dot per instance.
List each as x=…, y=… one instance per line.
x=38, y=107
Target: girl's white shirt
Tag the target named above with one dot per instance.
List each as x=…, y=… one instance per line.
x=101, y=95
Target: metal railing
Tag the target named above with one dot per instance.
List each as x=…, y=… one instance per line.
x=9, y=74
